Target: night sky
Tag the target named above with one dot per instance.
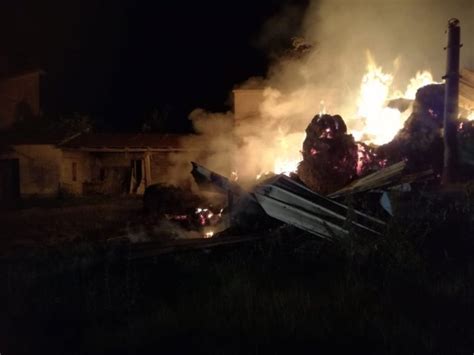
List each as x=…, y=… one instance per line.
x=117, y=60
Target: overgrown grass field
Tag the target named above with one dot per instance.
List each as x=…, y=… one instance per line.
x=408, y=292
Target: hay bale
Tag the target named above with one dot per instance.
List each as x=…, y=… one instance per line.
x=329, y=155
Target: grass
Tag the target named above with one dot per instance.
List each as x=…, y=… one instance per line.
x=410, y=292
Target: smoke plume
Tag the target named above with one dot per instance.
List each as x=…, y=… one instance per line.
x=402, y=36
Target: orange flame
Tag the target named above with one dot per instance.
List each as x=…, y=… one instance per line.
x=380, y=123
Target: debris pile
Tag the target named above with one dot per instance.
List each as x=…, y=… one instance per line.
x=186, y=209
x=282, y=199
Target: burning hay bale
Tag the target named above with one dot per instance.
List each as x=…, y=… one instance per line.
x=420, y=141
x=329, y=155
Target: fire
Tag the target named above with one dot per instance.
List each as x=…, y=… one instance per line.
x=259, y=176
x=234, y=176
x=206, y=217
x=421, y=79
x=379, y=122
x=280, y=131
x=285, y=166
x=471, y=116
x=209, y=234
x=287, y=159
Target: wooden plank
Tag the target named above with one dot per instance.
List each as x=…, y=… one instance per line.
x=375, y=180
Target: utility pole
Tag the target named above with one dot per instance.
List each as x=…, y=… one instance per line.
x=451, y=103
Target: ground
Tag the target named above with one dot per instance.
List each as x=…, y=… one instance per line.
x=288, y=292
x=52, y=221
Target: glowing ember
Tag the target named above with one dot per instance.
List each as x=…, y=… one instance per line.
x=205, y=216
x=259, y=176
x=234, y=176
x=209, y=234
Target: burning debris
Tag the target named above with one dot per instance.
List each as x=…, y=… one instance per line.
x=243, y=211
x=287, y=201
x=329, y=155
x=184, y=209
x=333, y=165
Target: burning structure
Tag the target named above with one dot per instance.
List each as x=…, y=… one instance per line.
x=396, y=138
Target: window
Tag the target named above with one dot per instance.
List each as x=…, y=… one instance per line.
x=74, y=171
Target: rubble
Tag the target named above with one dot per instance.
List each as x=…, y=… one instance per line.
x=290, y=202
x=243, y=211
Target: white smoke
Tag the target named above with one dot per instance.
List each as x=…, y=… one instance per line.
x=403, y=36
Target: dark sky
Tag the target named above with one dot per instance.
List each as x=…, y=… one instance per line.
x=120, y=59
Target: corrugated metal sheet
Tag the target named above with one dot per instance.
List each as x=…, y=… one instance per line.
x=293, y=203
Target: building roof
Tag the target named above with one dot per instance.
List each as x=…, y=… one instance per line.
x=137, y=141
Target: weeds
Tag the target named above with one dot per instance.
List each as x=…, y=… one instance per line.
x=292, y=293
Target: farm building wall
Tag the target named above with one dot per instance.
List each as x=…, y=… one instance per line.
x=160, y=167
x=39, y=168
x=75, y=171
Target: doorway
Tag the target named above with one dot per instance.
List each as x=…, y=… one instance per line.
x=9, y=180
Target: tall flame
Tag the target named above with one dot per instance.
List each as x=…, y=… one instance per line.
x=422, y=78
x=288, y=155
x=379, y=122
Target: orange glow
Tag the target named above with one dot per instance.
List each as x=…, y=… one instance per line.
x=378, y=124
